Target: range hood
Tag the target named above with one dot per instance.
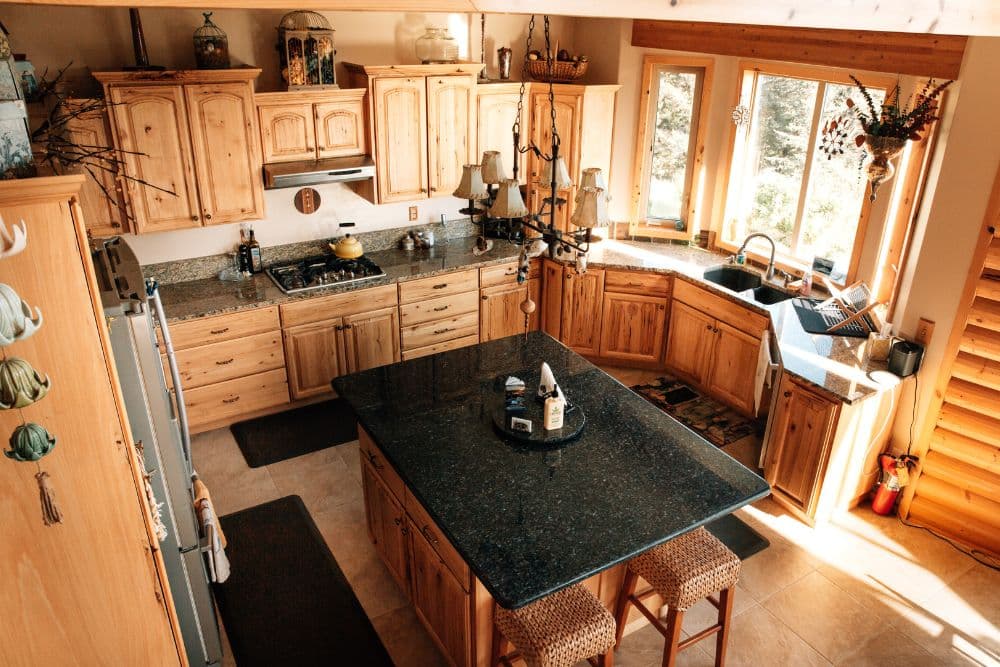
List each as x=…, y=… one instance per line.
x=314, y=172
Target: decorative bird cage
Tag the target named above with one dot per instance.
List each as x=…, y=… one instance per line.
x=305, y=44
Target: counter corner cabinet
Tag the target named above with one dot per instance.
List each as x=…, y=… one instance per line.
x=190, y=144
x=91, y=589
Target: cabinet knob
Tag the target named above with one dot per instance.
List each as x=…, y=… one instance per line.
x=208, y=216
x=708, y=326
x=485, y=298
x=788, y=394
x=194, y=218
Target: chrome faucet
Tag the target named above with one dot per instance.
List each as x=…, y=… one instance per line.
x=769, y=275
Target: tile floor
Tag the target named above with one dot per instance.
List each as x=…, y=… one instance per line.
x=864, y=590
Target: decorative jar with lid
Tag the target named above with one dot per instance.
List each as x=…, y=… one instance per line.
x=436, y=46
x=211, y=46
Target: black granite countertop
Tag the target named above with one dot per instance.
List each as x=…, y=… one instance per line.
x=532, y=521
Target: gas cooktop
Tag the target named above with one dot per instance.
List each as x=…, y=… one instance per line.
x=322, y=271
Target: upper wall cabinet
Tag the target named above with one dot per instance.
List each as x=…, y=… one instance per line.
x=101, y=194
x=190, y=146
x=312, y=125
x=423, y=127
x=496, y=114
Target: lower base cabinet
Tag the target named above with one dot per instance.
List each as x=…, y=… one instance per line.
x=439, y=599
x=633, y=327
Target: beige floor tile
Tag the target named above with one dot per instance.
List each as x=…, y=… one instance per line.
x=349, y=452
x=644, y=648
x=887, y=648
x=321, y=478
x=824, y=615
x=704, y=613
x=746, y=451
x=774, y=568
x=233, y=485
x=759, y=638
x=376, y=589
x=406, y=640
x=346, y=533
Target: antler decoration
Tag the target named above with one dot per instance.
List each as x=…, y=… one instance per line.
x=14, y=242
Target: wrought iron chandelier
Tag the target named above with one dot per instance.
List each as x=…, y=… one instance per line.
x=495, y=199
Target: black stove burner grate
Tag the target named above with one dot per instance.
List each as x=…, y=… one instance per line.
x=322, y=271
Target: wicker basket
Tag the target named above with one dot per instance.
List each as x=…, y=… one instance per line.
x=562, y=71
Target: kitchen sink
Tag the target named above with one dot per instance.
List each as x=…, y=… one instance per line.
x=767, y=295
x=733, y=277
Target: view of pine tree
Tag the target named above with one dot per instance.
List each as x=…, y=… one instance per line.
x=671, y=143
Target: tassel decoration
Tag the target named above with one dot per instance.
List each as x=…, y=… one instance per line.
x=50, y=510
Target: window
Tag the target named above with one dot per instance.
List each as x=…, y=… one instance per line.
x=780, y=184
x=668, y=155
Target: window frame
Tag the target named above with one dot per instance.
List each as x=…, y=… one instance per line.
x=747, y=72
x=638, y=224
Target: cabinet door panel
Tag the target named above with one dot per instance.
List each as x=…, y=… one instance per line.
x=286, y=132
x=401, y=138
x=451, y=126
x=633, y=327
x=500, y=311
x=314, y=357
x=539, y=191
x=568, y=108
x=387, y=525
x=101, y=215
x=551, y=305
x=535, y=292
x=440, y=600
x=689, y=341
x=152, y=130
x=371, y=339
x=340, y=128
x=224, y=136
x=583, y=297
x=733, y=367
x=496, y=117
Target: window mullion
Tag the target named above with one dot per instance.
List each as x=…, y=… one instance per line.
x=807, y=169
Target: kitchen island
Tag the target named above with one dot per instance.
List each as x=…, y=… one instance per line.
x=463, y=517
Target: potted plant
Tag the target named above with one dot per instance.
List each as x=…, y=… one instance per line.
x=884, y=131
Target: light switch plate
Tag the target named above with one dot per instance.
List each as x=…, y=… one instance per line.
x=413, y=213
x=925, y=329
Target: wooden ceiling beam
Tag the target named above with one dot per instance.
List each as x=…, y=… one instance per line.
x=938, y=56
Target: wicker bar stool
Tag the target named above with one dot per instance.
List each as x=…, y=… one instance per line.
x=683, y=571
x=557, y=631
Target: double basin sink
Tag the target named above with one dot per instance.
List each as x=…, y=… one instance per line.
x=739, y=279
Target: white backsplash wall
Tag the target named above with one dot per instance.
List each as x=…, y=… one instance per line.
x=284, y=224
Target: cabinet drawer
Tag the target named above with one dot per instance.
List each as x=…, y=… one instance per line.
x=439, y=331
x=721, y=308
x=428, y=350
x=191, y=333
x=435, y=286
x=629, y=282
x=370, y=452
x=223, y=400
x=322, y=308
x=434, y=309
x=506, y=274
x=422, y=522
x=208, y=364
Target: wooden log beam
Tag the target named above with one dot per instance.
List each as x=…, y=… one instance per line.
x=938, y=56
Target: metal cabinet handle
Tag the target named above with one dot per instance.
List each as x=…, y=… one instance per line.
x=440, y=308
x=429, y=535
x=216, y=332
x=226, y=362
x=440, y=286
x=231, y=400
x=445, y=330
x=374, y=461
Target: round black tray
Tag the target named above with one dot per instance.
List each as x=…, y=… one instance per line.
x=573, y=423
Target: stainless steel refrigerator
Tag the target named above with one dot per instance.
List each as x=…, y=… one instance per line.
x=160, y=425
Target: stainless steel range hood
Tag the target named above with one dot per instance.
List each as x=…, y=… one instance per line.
x=314, y=172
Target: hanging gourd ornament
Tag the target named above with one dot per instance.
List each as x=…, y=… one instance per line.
x=30, y=442
x=20, y=384
x=16, y=320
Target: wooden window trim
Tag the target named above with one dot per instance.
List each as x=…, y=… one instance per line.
x=811, y=72
x=650, y=62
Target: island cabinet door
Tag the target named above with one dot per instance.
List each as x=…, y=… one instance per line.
x=387, y=525
x=734, y=367
x=500, y=311
x=690, y=340
x=583, y=300
x=400, y=138
x=799, y=446
x=440, y=601
x=314, y=356
x=371, y=339
x=633, y=327
x=451, y=124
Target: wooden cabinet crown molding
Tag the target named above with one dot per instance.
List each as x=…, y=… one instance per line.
x=413, y=70
x=308, y=96
x=178, y=76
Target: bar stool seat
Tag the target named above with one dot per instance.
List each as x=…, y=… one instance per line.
x=683, y=571
x=557, y=631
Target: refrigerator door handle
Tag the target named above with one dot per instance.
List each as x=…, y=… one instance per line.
x=154, y=296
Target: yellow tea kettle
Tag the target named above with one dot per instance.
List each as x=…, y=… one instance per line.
x=347, y=248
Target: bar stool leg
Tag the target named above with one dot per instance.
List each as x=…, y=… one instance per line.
x=606, y=659
x=675, y=619
x=621, y=612
x=725, y=615
x=499, y=647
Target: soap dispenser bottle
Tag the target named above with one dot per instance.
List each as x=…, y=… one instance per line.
x=555, y=406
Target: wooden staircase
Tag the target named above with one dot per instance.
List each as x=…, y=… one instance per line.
x=956, y=490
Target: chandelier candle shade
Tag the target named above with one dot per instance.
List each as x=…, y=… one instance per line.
x=591, y=208
x=493, y=171
x=471, y=186
x=508, y=202
x=562, y=178
x=592, y=177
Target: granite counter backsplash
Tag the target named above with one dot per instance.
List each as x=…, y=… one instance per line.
x=835, y=366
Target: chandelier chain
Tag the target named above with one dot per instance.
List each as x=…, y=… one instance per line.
x=524, y=78
x=551, y=72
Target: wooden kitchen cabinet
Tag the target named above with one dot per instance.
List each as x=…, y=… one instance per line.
x=633, y=327
x=400, y=138
x=583, y=301
x=340, y=125
x=314, y=356
x=501, y=297
x=734, y=367
x=439, y=600
x=496, y=115
x=690, y=342
x=451, y=131
x=101, y=195
x=371, y=339
x=287, y=131
x=311, y=125
x=550, y=304
x=387, y=526
x=190, y=144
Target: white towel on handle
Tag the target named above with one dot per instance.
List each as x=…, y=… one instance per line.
x=765, y=371
x=218, y=562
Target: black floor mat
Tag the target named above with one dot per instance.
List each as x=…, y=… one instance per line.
x=286, y=601
x=281, y=436
x=741, y=539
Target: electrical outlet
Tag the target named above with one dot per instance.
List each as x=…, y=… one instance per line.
x=925, y=329
x=413, y=213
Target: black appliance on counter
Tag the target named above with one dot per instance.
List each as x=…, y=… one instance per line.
x=904, y=358
x=322, y=271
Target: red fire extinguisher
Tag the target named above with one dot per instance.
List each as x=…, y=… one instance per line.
x=893, y=476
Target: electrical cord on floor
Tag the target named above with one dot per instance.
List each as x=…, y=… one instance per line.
x=913, y=414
